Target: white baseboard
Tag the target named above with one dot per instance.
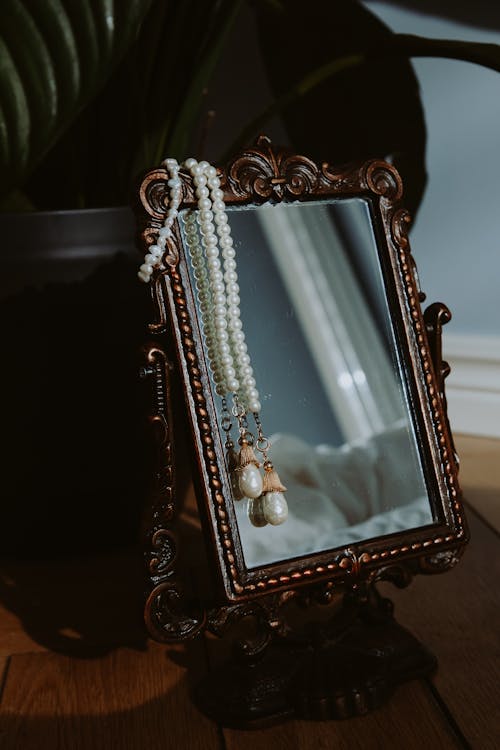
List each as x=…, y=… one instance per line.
x=473, y=386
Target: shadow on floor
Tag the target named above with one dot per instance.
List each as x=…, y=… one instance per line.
x=83, y=607
x=127, y=700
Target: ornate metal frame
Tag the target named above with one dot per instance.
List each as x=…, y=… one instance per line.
x=258, y=174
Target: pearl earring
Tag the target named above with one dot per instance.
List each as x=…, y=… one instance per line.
x=213, y=259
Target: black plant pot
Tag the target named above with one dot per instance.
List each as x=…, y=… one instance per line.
x=72, y=319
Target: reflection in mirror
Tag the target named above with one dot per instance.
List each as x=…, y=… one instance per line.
x=334, y=404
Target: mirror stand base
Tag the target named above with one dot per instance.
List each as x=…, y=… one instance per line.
x=343, y=668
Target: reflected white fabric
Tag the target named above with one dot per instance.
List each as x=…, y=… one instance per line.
x=338, y=496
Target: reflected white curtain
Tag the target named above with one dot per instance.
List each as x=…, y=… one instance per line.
x=352, y=363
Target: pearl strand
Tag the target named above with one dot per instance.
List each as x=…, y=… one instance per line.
x=248, y=393
x=230, y=361
x=155, y=252
x=218, y=295
x=205, y=299
x=215, y=276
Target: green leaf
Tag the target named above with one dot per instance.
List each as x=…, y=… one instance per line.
x=150, y=108
x=55, y=55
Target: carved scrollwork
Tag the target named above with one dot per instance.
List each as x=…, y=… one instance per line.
x=400, y=225
x=383, y=179
x=267, y=613
x=440, y=561
x=163, y=553
x=166, y=617
x=154, y=194
x=398, y=574
x=436, y=316
x=260, y=173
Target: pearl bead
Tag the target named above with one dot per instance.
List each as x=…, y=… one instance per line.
x=204, y=203
x=233, y=385
x=164, y=232
x=174, y=182
x=275, y=508
x=202, y=192
x=250, y=481
x=146, y=268
x=189, y=163
x=217, y=279
x=211, y=171
x=255, y=513
x=254, y=406
x=204, y=165
x=143, y=276
x=218, y=195
x=151, y=259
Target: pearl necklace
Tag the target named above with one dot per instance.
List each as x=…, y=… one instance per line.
x=209, y=240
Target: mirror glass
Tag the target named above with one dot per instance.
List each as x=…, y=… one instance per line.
x=334, y=401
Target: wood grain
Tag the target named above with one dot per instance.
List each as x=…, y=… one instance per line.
x=457, y=616
x=411, y=721
x=480, y=475
x=127, y=700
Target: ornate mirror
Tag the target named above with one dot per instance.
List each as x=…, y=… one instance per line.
x=348, y=423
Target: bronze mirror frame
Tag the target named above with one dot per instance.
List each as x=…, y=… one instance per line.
x=258, y=174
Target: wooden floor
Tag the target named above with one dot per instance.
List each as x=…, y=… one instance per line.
x=78, y=673
x=480, y=475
